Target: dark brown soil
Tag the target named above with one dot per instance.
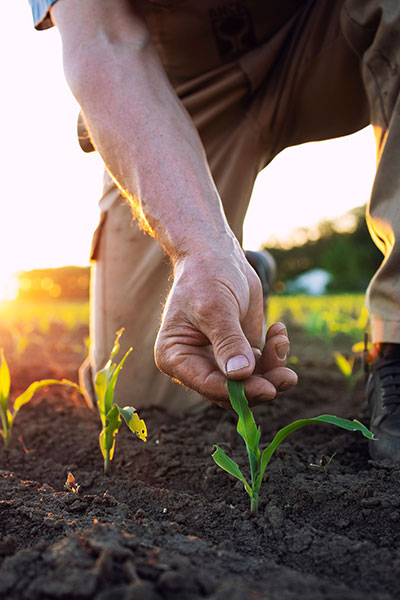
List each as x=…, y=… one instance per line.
x=167, y=523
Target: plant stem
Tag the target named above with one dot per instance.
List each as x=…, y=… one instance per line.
x=254, y=505
x=7, y=438
x=6, y=429
x=107, y=462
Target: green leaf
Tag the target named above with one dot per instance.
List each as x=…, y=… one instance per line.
x=285, y=431
x=106, y=379
x=5, y=380
x=116, y=346
x=246, y=426
x=27, y=395
x=134, y=422
x=109, y=398
x=229, y=465
x=108, y=433
x=100, y=386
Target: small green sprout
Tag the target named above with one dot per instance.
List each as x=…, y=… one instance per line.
x=248, y=430
x=324, y=463
x=110, y=413
x=8, y=414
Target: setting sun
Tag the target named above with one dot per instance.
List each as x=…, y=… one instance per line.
x=8, y=286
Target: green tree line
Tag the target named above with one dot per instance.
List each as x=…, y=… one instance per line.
x=350, y=257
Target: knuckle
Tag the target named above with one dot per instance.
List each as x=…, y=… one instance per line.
x=161, y=357
x=226, y=344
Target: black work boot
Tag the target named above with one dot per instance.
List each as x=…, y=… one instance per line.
x=383, y=397
x=264, y=265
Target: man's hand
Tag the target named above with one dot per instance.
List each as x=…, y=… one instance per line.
x=212, y=327
x=213, y=318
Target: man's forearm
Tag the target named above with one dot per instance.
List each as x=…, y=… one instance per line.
x=144, y=135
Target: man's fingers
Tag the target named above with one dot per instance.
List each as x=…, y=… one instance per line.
x=275, y=329
x=282, y=378
x=274, y=354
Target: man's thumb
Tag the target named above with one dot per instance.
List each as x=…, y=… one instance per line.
x=233, y=353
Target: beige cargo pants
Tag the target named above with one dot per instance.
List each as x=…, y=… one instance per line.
x=256, y=76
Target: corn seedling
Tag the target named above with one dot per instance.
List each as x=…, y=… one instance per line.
x=346, y=367
x=110, y=413
x=8, y=413
x=248, y=430
x=324, y=463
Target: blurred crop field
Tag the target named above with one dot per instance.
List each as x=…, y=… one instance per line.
x=55, y=334
x=326, y=316
x=44, y=331
x=41, y=315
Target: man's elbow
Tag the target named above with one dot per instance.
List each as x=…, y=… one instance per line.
x=98, y=45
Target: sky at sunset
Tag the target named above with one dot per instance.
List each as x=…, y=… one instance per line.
x=49, y=188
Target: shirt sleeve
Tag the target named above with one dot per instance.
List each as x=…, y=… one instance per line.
x=41, y=13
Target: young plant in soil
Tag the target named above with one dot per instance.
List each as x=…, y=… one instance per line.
x=110, y=413
x=346, y=366
x=71, y=485
x=8, y=413
x=248, y=430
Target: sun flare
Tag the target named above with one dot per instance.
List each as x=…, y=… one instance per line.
x=8, y=286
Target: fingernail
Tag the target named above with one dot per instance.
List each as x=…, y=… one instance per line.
x=282, y=331
x=285, y=386
x=237, y=362
x=282, y=350
x=261, y=399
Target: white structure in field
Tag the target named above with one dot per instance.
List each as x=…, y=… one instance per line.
x=313, y=282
